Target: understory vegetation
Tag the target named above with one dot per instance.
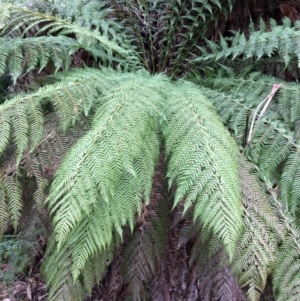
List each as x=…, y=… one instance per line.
x=149, y=150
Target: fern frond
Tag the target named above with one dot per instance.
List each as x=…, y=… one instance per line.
x=196, y=146
x=21, y=17
x=95, y=267
x=11, y=188
x=256, y=250
x=273, y=146
x=111, y=167
x=40, y=164
x=285, y=274
x=4, y=213
x=46, y=158
x=286, y=270
x=255, y=253
x=254, y=88
x=218, y=282
x=59, y=275
x=142, y=256
x=4, y=16
x=22, y=116
x=26, y=54
x=289, y=187
x=23, y=128
x=210, y=275
x=274, y=150
x=282, y=39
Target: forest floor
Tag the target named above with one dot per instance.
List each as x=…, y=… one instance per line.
x=24, y=289
x=34, y=289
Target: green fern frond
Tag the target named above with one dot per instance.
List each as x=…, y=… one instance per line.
x=256, y=250
x=40, y=164
x=198, y=166
x=26, y=54
x=4, y=211
x=22, y=116
x=23, y=124
x=142, y=256
x=46, y=158
x=11, y=188
x=4, y=16
x=274, y=149
x=59, y=275
x=286, y=270
x=285, y=274
x=282, y=39
x=54, y=25
x=274, y=144
x=289, y=187
x=254, y=88
x=114, y=170
x=95, y=267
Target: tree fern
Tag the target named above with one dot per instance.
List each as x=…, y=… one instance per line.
x=96, y=148
x=80, y=194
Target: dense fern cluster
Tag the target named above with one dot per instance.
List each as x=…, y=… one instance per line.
x=144, y=188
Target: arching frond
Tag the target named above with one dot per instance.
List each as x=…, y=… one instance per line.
x=22, y=116
x=289, y=185
x=88, y=197
x=256, y=250
x=26, y=19
x=252, y=89
x=12, y=191
x=23, y=129
x=196, y=146
x=286, y=270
